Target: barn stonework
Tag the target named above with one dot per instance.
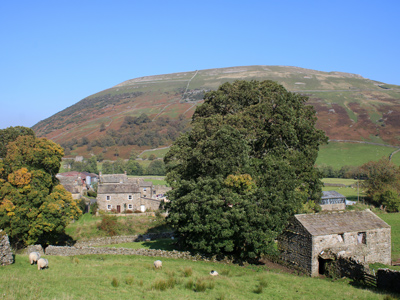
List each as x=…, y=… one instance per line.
x=309, y=238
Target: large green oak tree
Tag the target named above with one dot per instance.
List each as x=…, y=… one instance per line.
x=246, y=166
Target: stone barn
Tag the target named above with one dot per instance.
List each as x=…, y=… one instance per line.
x=358, y=234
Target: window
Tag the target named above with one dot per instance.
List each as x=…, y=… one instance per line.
x=109, y=206
x=130, y=206
x=362, y=238
x=108, y=198
x=129, y=197
x=144, y=189
x=340, y=237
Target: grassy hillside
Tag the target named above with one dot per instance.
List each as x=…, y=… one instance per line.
x=133, y=277
x=338, y=154
x=349, y=107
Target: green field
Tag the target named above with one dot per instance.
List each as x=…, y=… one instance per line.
x=338, y=155
x=86, y=226
x=393, y=220
x=133, y=277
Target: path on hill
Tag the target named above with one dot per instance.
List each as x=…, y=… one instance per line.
x=187, y=86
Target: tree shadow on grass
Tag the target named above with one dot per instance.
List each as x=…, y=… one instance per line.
x=161, y=244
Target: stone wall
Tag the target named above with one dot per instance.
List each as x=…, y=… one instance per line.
x=295, y=245
x=6, y=255
x=336, y=206
x=377, y=248
x=122, y=239
x=72, y=251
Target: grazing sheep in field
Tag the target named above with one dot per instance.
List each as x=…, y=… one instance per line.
x=158, y=264
x=42, y=263
x=34, y=257
x=213, y=273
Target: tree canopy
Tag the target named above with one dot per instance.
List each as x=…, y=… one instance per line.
x=34, y=207
x=383, y=183
x=244, y=168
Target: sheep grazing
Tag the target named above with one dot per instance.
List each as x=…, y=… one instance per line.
x=213, y=273
x=158, y=264
x=42, y=263
x=34, y=257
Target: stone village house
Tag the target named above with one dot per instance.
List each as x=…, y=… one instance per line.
x=358, y=234
x=119, y=193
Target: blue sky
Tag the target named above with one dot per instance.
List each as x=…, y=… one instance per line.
x=55, y=53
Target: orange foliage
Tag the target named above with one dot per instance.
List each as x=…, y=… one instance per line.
x=20, y=177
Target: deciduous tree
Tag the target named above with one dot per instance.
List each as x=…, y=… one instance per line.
x=34, y=207
x=383, y=183
x=244, y=168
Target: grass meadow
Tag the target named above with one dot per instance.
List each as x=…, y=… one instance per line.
x=338, y=155
x=133, y=277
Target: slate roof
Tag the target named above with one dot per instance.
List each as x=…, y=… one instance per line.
x=118, y=188
x=340, y=222
x=331, y=194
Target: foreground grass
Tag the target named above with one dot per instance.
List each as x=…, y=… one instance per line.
x=133, y=277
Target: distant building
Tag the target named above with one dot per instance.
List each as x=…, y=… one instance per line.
x=77, y=183
x=358, y=234
x=119, y=193
x=332, y=200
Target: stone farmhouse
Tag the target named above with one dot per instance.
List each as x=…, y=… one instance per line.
x=119, y=193
x=358, y=234
x=332, y=200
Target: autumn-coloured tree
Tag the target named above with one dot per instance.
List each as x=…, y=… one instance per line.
x=34, y=207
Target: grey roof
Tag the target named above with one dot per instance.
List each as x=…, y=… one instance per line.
x=331, y=194
x=73, y=189
x=340, y=222
x=113, y=178
x=118, y=188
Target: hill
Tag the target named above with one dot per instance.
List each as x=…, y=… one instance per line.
x=149, y=112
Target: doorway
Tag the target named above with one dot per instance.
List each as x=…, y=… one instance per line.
x=118, y=208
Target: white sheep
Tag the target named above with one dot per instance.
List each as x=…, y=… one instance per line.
x=42, y=263
x=213, y=273
x=158, y=264
x=34, y=257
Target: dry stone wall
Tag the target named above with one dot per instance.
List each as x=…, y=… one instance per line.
x=122, y=239
x=6, y=255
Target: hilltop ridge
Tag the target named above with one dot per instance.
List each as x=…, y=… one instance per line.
x=349, y=107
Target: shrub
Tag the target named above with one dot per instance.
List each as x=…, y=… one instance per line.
x=258, y=289
x=92, y=194
x=187, y=272
x=190, y=284
x=93, y=208
x=130, y=280
x=109, y=224
x=160, y=285
x=114, y=282
x=200, y=286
